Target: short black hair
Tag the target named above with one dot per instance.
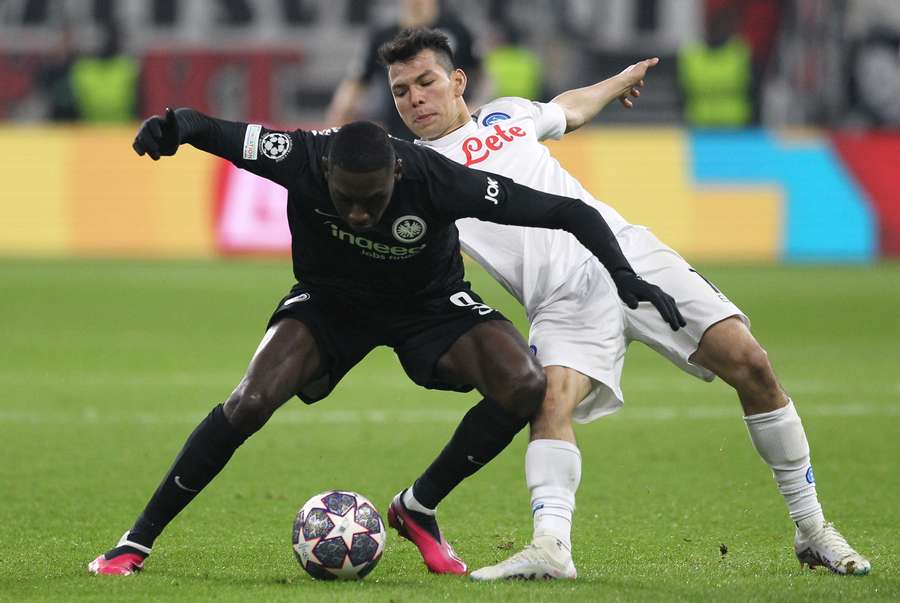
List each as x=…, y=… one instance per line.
x=361, y=146
x=413, y=40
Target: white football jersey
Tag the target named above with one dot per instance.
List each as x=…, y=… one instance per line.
x=504, y=138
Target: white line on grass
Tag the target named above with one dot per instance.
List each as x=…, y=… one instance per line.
x=186, y=380
x=94, y=415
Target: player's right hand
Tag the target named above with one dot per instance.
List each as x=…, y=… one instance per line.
x=158, y=136
x=631, y=80
x=633, y=289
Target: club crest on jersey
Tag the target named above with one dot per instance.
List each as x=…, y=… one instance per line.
x=275, y=145
x=408, y=229
x=494, y=117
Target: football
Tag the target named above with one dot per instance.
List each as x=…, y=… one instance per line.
x=338, y=535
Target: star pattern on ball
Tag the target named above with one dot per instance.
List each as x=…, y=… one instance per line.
x=345, y=527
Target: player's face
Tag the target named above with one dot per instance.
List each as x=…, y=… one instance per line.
x=361, y=198
x=429, y=99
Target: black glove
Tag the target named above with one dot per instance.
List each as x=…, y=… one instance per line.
x=634, y=289
x=158, y=136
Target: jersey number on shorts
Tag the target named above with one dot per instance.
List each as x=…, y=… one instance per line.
x=464, y=300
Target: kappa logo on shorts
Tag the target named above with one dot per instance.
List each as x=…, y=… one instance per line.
x=296, y=299
x=409, y=229
x=492, y=118
x=276, y=145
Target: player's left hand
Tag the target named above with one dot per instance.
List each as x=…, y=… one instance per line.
x=633, y=289
x=632, y=80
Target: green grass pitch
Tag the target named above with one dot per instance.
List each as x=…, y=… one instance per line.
x=106, y=366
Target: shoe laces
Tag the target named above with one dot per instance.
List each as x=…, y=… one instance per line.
x=831, y=538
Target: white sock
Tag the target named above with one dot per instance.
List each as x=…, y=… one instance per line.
x=410, y=502
x=780, y=440
x=553, y=472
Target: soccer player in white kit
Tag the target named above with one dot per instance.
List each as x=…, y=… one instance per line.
x=580, y=329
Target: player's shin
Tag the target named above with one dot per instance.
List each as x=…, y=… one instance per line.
x=205, y=453
x=481, y=435
x=781, y=442
x=553, y=473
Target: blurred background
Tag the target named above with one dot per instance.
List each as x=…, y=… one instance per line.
x=769, y=131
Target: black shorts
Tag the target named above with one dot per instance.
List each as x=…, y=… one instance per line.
x=419, y=332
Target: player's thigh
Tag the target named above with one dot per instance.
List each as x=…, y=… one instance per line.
x=493, y=357
x=454, y=341
x=286, y=360
x=701, y=303
x=330, y=335
x=581, y=326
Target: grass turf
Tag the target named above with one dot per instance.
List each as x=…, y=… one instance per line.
x=106, y=366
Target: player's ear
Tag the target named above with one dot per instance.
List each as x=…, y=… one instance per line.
x=459, y=82
x=398, y=169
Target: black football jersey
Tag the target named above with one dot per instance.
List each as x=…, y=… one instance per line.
x=414, y=250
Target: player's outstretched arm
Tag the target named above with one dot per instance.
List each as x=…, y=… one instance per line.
x=581, y=105
x=466, y=192
x=160, y=136
x=238, y=142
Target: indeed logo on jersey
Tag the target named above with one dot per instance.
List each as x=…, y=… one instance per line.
x=373, y=249
x=477, y=150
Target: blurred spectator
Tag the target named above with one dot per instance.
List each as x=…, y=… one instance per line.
x=716, y=75
x=346, y=103
x=105, y=84
x=873, y=27
x=54, y=79
x=513, y=69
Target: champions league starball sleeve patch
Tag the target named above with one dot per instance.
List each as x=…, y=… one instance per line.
x=276, y=145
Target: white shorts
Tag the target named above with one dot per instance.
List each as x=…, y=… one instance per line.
x=584, y=325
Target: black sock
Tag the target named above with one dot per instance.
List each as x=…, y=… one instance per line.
x=204, y=454
x=482, y=434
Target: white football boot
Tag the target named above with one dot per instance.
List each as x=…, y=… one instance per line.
x=826, y=547
x=544, y=559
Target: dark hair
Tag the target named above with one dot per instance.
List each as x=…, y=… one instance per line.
x=413, y=40
x=361, y=146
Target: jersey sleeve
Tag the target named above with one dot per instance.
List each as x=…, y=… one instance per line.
x=549, y=118
x=275, y=155
x=460, y=192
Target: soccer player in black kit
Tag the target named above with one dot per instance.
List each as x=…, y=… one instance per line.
x=377, y=262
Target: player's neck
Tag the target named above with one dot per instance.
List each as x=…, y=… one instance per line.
x=462, y=118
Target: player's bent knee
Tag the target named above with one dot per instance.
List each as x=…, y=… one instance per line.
x=526, y=392
x=248, y=409
x=756, y=365
x=747, y=365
